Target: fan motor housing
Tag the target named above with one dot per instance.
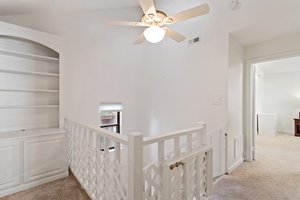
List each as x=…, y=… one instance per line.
x=151, y=19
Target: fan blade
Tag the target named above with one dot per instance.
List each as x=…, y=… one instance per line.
x=140, y=39
x=174, y=35
x=148, y=7
x=187, y=14
x=124, y=23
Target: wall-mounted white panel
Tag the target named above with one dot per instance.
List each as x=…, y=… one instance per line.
x=10, y=168
x=44, y=157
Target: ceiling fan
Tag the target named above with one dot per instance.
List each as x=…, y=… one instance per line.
x=156, y=22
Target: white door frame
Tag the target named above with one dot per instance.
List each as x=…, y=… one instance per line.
x=249, y=99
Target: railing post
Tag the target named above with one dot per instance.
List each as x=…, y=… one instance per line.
x=209, y=173
x=135, y=167
x=204, y=135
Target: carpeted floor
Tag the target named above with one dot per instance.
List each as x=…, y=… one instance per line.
x=64, y=189
x=275, y=175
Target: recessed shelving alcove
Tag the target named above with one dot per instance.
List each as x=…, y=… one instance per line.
x=33, y=149
x=29, y=85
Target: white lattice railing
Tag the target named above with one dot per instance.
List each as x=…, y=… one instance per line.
x=100, y=172
x=182, y=168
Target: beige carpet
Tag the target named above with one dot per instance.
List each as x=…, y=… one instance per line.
x=275, y=175
x=64, y=189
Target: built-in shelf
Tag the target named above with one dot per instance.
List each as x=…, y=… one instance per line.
x=29, y=91
x=33, y=106
x=28, y=72
x=23, y=90
x=28, y=55
x=25, y=133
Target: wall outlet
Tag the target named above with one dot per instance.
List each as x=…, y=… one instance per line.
x=216, y=101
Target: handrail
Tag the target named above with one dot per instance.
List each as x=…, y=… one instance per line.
x=103, y=132
x=167, y=136
x=203, y=149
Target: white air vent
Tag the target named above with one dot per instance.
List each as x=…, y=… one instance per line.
x=194, y=41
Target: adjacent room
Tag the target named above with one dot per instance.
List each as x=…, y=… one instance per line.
x=277, y=96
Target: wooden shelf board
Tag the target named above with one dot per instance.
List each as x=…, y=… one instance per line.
x=31, y=132
x=28, y=55
x=33, y=106
x=28, y=72
x=28, y=90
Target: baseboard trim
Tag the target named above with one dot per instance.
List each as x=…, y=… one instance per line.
x=235, y=166
x=285, y=132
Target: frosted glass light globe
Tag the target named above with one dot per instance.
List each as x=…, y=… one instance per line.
x=154, y=34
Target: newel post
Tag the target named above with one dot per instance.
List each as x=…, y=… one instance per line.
x=204, y=133
x=135, y=166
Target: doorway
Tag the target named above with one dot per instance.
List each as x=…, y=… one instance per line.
x=272, y=98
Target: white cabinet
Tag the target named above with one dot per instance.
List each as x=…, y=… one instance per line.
x=31, y=158
x=32, y=147
x=10, y=164
x=44, y=157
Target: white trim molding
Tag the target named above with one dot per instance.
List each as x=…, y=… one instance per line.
x=235, y=166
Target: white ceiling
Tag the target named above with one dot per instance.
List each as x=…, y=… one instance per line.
x=259, y=20
x=280, y=66
x=13, y=7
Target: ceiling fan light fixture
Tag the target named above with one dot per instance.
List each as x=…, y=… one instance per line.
x=154, y=34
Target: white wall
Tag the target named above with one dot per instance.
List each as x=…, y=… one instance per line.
x=282, y=96
x=235, y=104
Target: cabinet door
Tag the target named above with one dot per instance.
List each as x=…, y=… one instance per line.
x=44, y=156
x=10, y=169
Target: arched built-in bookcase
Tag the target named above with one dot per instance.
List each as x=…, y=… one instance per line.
x=32, y=145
